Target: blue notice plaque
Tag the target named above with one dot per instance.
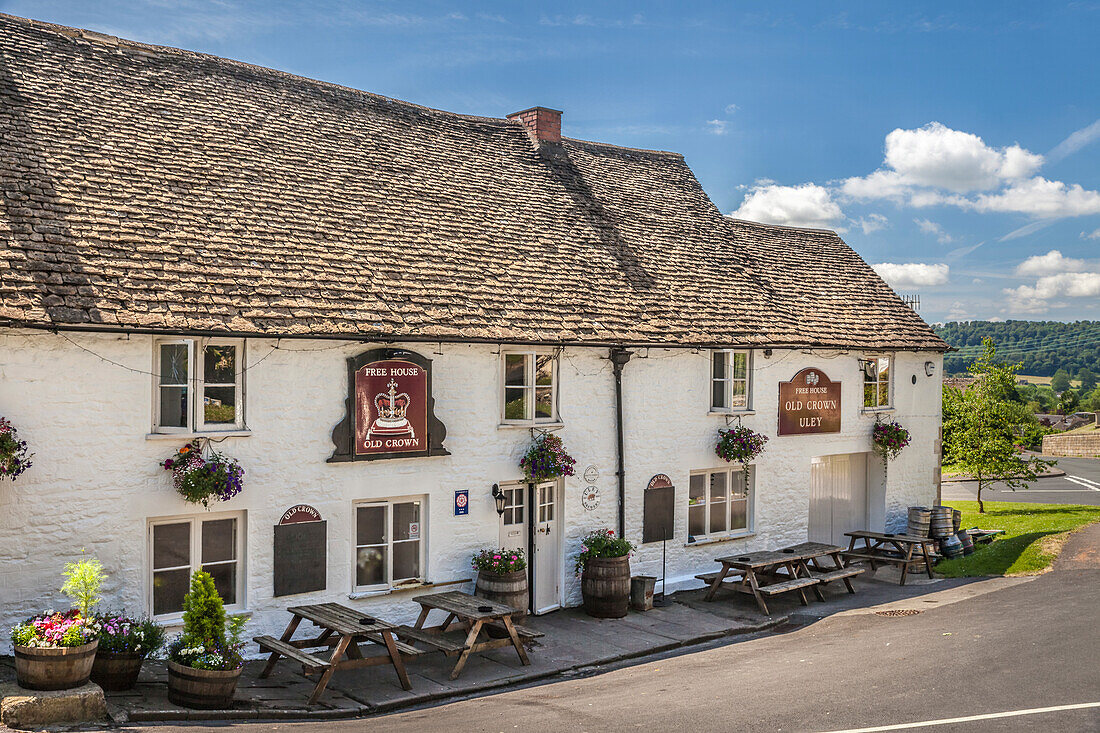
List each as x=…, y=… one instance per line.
x=462, y=502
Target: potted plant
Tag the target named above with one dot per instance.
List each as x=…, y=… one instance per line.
x=202, y=480
x=889, y=438
x=14, y=458
x=55, y=651
x=546, y=459
x=502, y=577
x=124, y=643
x=739, y=444
x=604, y=564
x=204, y=662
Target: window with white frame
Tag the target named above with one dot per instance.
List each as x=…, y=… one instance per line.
x=389, y=549
x=514, y=510
x=720, y=503
x=200, y=386
x=730, y=379
x=530, y=387
x=876, y=382
x=180, y=546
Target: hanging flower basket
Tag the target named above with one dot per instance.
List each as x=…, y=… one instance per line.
x=14, y=458
x=889, y=438
x=546, y=459
x=201, y=480
x=739, y=444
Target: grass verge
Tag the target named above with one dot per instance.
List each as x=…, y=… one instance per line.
x=1021, y=550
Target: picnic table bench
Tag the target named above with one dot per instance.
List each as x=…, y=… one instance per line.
x=894, y=549
x=770, y=573
x=471, y=614
x=343, y=629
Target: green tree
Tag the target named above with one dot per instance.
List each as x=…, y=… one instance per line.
x=1087, y=379
x=1068, y=402
x=1060, y=381
x=980, y=427
x=203, y=612
x=83, y=580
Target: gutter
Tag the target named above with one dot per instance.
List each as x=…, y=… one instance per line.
x=388, y=338
x=619, y=357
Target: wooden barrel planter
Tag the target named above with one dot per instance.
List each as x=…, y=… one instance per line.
x=54, y=668
x=605, y=586
x=204, y=689
x=919, y=519
x=116, y=671
x=510, y=589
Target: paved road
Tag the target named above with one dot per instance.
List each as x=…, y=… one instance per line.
x=1031, y=646
x=1080, y=485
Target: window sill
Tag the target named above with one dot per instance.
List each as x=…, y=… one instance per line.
x=529, y=425
x=732, y=413
x=723, y=538
x=876, y=410
x=206, y=434
x=360, y=594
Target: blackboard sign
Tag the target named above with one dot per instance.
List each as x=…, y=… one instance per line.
x=659, y=511
x=301, y=560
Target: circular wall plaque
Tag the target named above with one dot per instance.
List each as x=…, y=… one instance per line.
x=590, y=497
x=591, y=474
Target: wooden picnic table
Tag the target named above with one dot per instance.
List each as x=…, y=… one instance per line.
x=758, y=573
x=895, y=549
x=472, y=614
x=343, y=629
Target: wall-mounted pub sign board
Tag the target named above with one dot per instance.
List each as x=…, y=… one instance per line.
x=809, y=404
x=301, y=560
x=658, y=509
x=390, y=409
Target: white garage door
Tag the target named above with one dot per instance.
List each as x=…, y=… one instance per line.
x=838, y=497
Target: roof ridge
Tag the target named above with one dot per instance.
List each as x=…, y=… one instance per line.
x=765, y=225
x=670, y=153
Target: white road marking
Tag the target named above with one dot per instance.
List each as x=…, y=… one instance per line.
x=1084, y=482
x=971, y=718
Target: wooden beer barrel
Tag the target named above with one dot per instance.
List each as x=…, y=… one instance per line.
x=509, y=589
x=942, y=524
x=919, y=519
x=54, y=668
x=204, y=689
x=605, y=586
x=116, y=672
x=956, y=520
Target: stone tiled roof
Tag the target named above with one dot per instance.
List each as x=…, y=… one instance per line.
x=154, y=188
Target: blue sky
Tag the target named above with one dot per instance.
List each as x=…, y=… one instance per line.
x=955, y=145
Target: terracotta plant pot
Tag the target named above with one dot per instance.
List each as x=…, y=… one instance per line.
x=54, y=668
x=204, y=689
x=509, y=589
x=605, y=586
x=116, y=671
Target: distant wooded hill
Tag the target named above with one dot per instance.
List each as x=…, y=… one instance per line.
x=1042, y=346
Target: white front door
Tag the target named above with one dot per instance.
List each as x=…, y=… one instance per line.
x=546, y=593
x=838, y=497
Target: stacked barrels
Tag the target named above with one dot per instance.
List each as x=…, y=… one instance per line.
x=919, y=519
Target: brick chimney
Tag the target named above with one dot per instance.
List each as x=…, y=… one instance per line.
x=543, y=124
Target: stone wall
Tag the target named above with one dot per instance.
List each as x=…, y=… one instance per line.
x=1083, y=445
x=84, y=403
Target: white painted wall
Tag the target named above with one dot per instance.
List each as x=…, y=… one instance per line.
x=97, y=481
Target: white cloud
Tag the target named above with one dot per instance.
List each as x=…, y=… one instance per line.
x=912, y=274
x=930, y=227
x=1062, y=285
x=808, y=205
x=937, y=157
x=1039, y=197
x=731, y=108
x=1049, y=264
x=959, y=312
x=1092, y=235
x=717, y=127
x=1075, y=141
x=872, y=223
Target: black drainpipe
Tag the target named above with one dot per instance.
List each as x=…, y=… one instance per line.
x=619, y=357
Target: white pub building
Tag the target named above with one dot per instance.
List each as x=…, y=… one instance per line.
x=375, y=307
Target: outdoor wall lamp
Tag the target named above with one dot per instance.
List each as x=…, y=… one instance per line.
x=929, y=368
x=499, y=498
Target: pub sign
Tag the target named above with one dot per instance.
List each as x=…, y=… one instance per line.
x=390, y=409
x=809, y=404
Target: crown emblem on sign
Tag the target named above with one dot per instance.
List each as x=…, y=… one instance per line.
x=812, y=378
x=391, y=407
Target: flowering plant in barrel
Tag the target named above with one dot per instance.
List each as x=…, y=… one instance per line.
x=740, y=444
x=201, y=480
x=546, y=459
x=889, y=438
x=14, y=458
x=124, y=643
x=604, y=564
x=499, y=561
x=55, y=651
x=603, y=543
